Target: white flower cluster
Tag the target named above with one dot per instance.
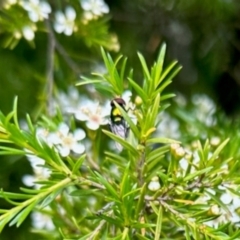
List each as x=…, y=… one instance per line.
x=37, y=11
x=83, y=109
x=63, y=141
x=168, y=127
x=93, y=9
x=204, y=109
x=65, y=23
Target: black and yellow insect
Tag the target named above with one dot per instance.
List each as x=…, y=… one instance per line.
x=118, y=125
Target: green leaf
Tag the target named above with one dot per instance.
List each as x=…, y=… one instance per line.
x=118, y=159
x=159, y=65
x=138, y=90
x=83, y=192
x=22, y=215
x=187, y=234
x=29, y=122
x=161, y=140
x=167, y=96
x=88, y=81
x=118, y=80
x=78, y=164
x=125, y=183
x=197, y=173
x=157, y=152
x=48, y=199
x=121, y=141
x=11, y=151
x=218, y=201
x=108, y=186
x=141, y=237
x=219, y=149
x=154, y=112
x=144, y=67
x=159, y=223
x=140, y=202
x=167, y=70
x=123, y=68
x=14, y=195
x=163, y=86
x=15, y=117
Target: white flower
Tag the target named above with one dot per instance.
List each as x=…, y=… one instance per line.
x=154, y=185
x=66, y=142
x=42, y=221
x=68, y=101
x=214, y=141
x=93, y=114
x=65, y=22
x=40, y=172
x=204, y=109
x=168, y=126
x=28, y=33
x=37, y=10
x=93, y=9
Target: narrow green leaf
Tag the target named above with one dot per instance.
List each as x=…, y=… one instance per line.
x=108, y=186
x=15, y=116
x=157, y=152
x=111, y=220
x=138, y=90
x=167, y=96
x=83, y=192
x=197, y=173
x=161, y=140
x=144, y=67
x=105, y=59
x=219, y=149
x=131, y=192
x=121, y=141
x=123, y=68
x=163, y=86
x=78, y=164
x=167, y=70
x=8, y=118
x=125, y=183
x=140, y=201
x=159, y=223
x=11, y=151
x=29, y=122
x=20, y=217
x=143, y=225
x=115, y=75
x=88, y=81
x=235, y=236
x=159, y=65
x=187, y=234
x=25, y=213
x=154, y=111
x=4, y=221
x=118, y=157
x=14, y=195
x=218, y=201
x=48, y=199
x=141, y=237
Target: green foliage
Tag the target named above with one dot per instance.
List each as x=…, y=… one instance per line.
x=153, y=189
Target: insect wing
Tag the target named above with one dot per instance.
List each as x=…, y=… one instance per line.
x=120, y=130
